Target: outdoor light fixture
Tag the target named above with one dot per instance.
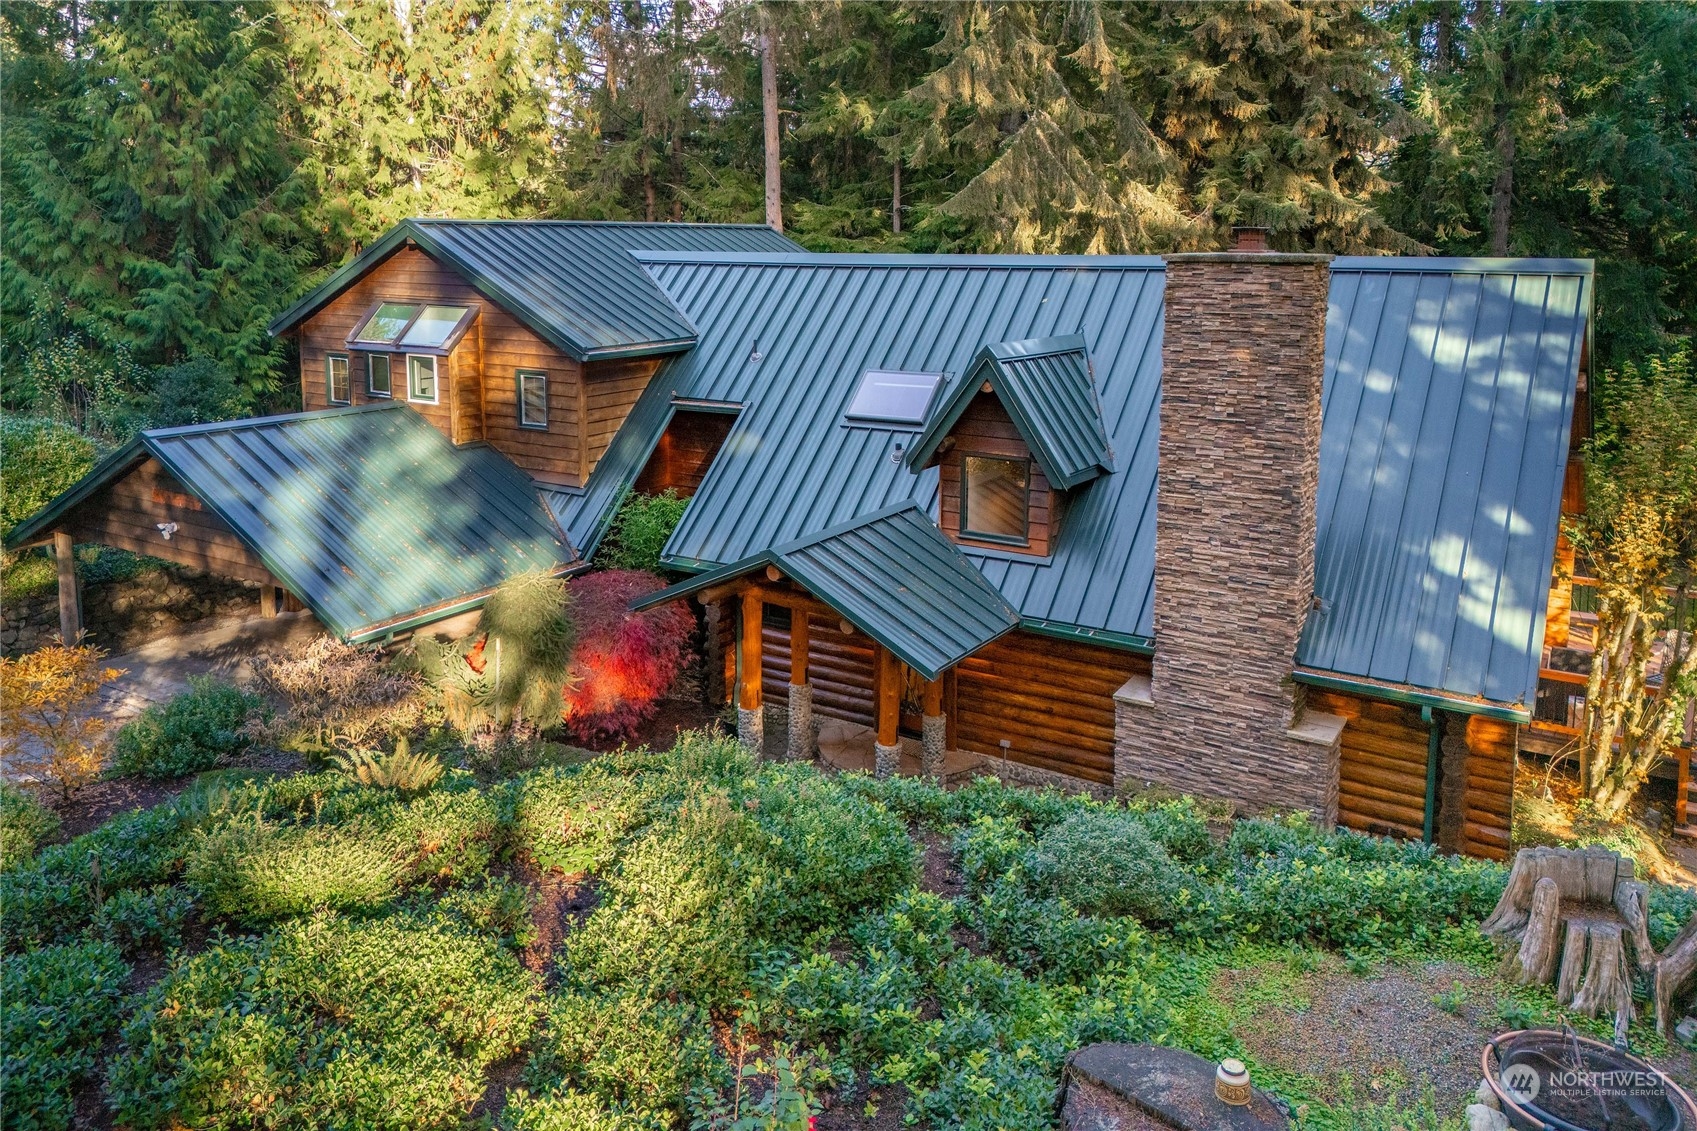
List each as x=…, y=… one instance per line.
x=167, y=529
x=1231, y=1082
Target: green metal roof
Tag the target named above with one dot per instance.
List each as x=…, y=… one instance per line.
x=573, y=282
x=1449, y=387
x=1046, y=386
x=892, y=575
x=367, y=514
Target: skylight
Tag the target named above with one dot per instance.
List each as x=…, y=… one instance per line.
x=386, y=323
x=431, y=329
x=888, y=396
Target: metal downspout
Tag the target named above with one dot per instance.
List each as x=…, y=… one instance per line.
x=1428, y=826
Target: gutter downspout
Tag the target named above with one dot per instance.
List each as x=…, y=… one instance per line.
x=1433, y=731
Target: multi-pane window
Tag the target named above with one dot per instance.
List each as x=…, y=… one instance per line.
x=533, y=399
x=386, y=323
x=412, y=326
x=336, y=378
x=421, y=378
x=995, y=499
x=377, y=379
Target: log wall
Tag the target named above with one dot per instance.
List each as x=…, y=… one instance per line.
x=986, y=429
x=839, y=666
x=684, y=452
x=127, y=512
x=1053, y=700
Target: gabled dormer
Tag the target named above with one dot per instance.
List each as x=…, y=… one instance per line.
x=1018, y=431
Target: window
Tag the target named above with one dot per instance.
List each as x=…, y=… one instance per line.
x=377, y=381
x=421, y=379
x=995, y=499
x=533, y=399
x=433, y=327
x=336, y=378
x=385, y=323
x=889, y=397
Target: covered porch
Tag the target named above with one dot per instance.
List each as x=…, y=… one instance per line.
x=887, y=586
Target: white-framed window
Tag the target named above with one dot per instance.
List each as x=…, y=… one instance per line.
x=421, y=378
x=378, y=380
x=533, y=398
x=336, y=378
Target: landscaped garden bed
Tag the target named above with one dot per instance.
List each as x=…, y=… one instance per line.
x=619, y=943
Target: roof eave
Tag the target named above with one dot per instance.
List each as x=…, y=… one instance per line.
x=1415, y=696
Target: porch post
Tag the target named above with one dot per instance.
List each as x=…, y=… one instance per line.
x=801, y=692
x=934, y=730
x=751, y=717
x=268, y=600
x=887, y=750
x=70, y=601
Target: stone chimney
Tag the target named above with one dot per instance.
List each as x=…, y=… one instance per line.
x=1242, y=361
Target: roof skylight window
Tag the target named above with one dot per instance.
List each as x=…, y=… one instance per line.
x=433, y=327
x=889, y=396
x=386, y=323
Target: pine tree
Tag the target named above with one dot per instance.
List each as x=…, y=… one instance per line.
x=148, y=190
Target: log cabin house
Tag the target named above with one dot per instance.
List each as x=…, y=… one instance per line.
x=1270, y=527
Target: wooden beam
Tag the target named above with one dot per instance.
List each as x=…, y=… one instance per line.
x=887, y=687
x=773, y=573
x=748, y=671
x=267, y=600
x=798, y=647
x=70, y=601
x=934, y=697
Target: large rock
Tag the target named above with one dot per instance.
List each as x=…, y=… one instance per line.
x=1117, y=1087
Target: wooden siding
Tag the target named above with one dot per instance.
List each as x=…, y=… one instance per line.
x=986, y=429
x=127, y=512
x=611, y=389
x=477, y=394
x=1488, y=794
x=1382, y=771
x=1053, y=700
x=684, y=452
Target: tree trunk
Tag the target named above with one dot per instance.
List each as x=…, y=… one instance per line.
x=769, y=108
x=1535, y=963
x=896, y=199
x=1502, y=188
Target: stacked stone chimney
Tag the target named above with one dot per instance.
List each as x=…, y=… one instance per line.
x=1242, y=364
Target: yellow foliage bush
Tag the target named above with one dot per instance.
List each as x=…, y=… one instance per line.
x=47, y=713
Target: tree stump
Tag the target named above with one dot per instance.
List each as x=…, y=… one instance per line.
x=1674, y=972
x=1579, y=919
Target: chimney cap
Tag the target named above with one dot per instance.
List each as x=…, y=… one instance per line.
x=1249, y=238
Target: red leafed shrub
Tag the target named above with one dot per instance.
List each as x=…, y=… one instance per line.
x=624, y=661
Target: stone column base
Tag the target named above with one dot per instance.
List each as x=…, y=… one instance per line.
x=751, y=728
x=886, y=760
x=934, y=741
x=801, y=743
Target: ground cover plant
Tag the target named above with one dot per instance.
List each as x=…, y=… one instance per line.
x=758, y=941
x=191, y=732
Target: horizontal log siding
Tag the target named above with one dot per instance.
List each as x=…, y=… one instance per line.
x=1382, y=771
x=505, y=344
x=839, y=666
x=126, y=513
x=987, y=429
x=1053, y=700
x=611, y=389
x=1489, y=796
x=684, y=452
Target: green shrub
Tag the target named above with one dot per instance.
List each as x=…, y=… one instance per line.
x=386, y=1023
x=573, y=820
x=637, y=1055
x=57, y=1005
x=190, y=733
x=24, y=824
x=569, y=1110
x=1670, y=908
x=39, y=459
x=640, y=530
x=1104, y=862
x=53, y=897
x=145, y=919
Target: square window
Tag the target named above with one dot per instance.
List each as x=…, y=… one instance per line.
x=889, y=397
x=433, y=326
x=377, y=380
x=421, y=379
x=386, y=323
x=336, y=378
x=995, y=499
x=533, y=399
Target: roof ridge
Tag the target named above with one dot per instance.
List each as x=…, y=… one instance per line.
x=276, y=418
x=550, y=221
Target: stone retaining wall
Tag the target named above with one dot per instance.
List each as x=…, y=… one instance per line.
x=122, y=615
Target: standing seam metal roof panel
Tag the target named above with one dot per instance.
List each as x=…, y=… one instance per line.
x=573, y=282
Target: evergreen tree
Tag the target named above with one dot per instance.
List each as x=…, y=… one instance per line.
x=150, y=201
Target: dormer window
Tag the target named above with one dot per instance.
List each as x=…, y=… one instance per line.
x=888, y=396
x=995, y=499
x=412, y=327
